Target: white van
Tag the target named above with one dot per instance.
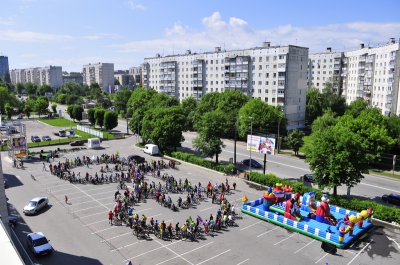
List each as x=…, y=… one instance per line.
x=151, y=149
x=93, y=143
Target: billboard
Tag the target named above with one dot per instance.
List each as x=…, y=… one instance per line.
x=261, y=144
x=19, y=143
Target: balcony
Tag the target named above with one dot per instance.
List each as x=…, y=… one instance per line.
x=281, y=104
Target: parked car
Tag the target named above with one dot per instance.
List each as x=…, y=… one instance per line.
x=62, y=133
x=392, y=198
x=308, y=178
x=35, y=138
x=138, y=159
x=38, y=244
x=35, y=205
x=151, y=149
x=77, y=143
x=254, y=163
x=46, y=138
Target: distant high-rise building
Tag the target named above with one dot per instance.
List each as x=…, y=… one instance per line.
x=324, y=68
x=3, y=66
x=48, y=75
x=100, y=73
x=136, y=73
x=124, y=79
x=276, y=75
x=372, y=73
x=72, y=77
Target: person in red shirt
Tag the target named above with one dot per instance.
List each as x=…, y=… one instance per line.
x=110, y=217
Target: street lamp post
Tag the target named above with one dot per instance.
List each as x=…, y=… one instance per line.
x=251, y=140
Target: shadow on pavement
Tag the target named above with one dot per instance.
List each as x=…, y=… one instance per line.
x=12, y=181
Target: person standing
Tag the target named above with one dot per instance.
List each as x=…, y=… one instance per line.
x=110, y=217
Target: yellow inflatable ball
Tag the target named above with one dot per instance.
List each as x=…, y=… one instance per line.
x=364, y=214
x=353, y=219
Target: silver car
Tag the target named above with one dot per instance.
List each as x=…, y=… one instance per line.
x=35, y=205
x=38, y=244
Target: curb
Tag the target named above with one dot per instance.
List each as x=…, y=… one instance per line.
x=381, y=222
x=181, y=161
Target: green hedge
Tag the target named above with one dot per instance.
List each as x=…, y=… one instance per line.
x=382, y=212
x=201, y=161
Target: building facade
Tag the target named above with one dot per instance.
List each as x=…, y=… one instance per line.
x=100, y=73
x=49, y=75
x=72, y=77
x=124, y=78
x=324, y=68
x=4, y=68
x=372, y=73
x=136, y=73
x=277, y=75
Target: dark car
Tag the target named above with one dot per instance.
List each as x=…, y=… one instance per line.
x=308, y=178
x=35, y=138
x=392, y=198
x=254, y=163
x=77, y=143
x=46, y=138
x=138, y=159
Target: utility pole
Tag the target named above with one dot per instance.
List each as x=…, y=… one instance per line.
x=251, y=140
x=234, y=147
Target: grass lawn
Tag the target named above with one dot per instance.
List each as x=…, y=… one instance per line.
x=385, y=173
x=83, y=136
x=59, y=122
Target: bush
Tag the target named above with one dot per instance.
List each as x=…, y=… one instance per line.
x=201, y=161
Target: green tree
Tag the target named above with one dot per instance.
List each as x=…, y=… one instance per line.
x=70, y=111
x=110, y=120
x=99, y=116
x=356, y=107
x=211, y=127
x=121, y=99
x=163, y=126
x=138, y=104
x=91, y=116
x=19, y=88
x=41, y=105
x=189, y=107
x=324, y=121
x=9, y=110
x=30, y=88
x=54, y=108
x=95, y=91
x=43, y=89
x=77, y=111
x=6, y=97
x=295, y=140
x=208, y=102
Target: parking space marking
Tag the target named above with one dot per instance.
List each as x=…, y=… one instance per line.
x=321, y=258
x=96, y=222
x=204, y=261
x=358, y=254
x=80, y=210
x=303, y=247
x=250, y=225
x=180, y=256
x=208, y=208
x=126, y=246
x=54, y=191
x=108, y=239
x=260, y=235
x=283, y=240
x=92, y=215
x=186, y=253
x=154, y=249
x=79, y=203
x=90, y=196
x=243, y=262
x=105, y=229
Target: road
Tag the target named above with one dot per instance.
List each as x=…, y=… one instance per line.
x=80, y=233
x=372, y=187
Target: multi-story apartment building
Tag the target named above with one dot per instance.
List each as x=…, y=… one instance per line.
x=124, y=78
x=136, y=73
x=72, y=77
x=3, y=66
x=274, y=74
x=372, y=73
x=326, y=67
x=49, y=75
x=100, y=73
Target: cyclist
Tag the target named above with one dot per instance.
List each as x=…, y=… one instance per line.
x=184, y=230
x=177, y=228
x=170, y=232
x=144, y=219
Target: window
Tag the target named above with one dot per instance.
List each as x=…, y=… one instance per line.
x=274, y=75
x=260, y=67
x=259, y=83
x=260, y=59
x=211, y=62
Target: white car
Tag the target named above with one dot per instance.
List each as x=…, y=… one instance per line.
x=38, y=244
x=35, y=205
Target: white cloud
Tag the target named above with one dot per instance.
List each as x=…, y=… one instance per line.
x=237, y=22
x=214, y=21
x=177, y=28
x=135, y=5
x=12, y=35
x=7, y=21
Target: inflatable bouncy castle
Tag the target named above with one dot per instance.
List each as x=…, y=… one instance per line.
x=319, y=220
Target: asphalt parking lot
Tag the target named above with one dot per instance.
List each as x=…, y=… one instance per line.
x=81, y=228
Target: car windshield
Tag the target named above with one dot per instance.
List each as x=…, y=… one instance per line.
x=40, y=241
x=32, y=204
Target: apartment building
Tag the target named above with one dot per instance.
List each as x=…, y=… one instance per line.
x=274, y=74
x=49, y=75
x=100, y=73
x=3, y=66
x=136, y=73
x=326, y=67
x=72, y=77
x=124, y=78
x=372, y=73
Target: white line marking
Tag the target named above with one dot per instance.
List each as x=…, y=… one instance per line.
x=84, y=192
x=378, y=187
x=92, y=215
x=125, y=246
x=243, y=262
x=79, y=203
x=208, y=208
x=80, y=210
x=144, y=253
x=185, y=253
x=129, y=233
x=358, y=254
x=250, y=226
x=260, y=235
x=309, y=243
x=394, y=241
x=69, y=188
x=105, y=229
x=96, y=222
x=284, y=239
x=214, y=257
x=321, y=258
x=180, y=256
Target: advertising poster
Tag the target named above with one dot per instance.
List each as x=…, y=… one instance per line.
x=19, y=143
x=261, y=144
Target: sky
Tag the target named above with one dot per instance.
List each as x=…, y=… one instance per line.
x=71, y=33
